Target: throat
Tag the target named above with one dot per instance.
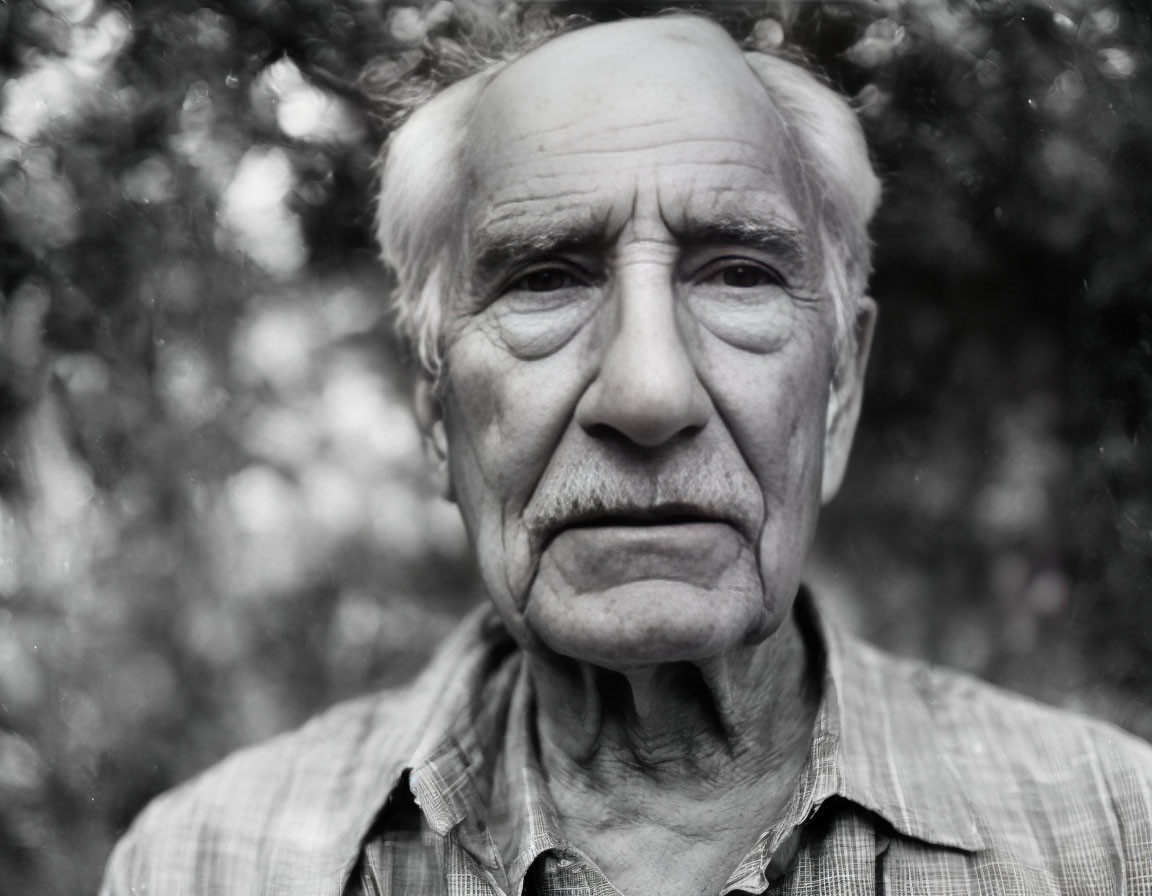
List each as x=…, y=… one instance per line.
x=666, y=720
x=666, y=776
x=690, y=726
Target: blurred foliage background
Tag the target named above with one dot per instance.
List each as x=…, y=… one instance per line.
x=213, y=516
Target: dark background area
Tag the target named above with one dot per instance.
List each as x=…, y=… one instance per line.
x=213, y=516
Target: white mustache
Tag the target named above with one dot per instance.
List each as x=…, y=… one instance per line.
x=592, y=486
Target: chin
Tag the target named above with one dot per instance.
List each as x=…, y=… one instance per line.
x=648, y=622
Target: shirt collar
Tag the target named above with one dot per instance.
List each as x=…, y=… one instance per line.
x=354, y=756
x=483, y=782
x=873, y=744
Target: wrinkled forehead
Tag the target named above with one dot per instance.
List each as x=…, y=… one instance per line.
x=672, y=94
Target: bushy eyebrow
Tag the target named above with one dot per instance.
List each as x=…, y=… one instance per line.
x=499, y=245
x=787, y=244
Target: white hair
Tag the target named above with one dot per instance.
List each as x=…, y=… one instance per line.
x=423, y=189
x=839, y=187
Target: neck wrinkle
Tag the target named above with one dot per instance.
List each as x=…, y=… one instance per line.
x=741, y=719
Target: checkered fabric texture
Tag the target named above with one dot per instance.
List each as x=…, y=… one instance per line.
x=918, y=781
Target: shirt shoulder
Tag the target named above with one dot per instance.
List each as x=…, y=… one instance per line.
x=247, y=823
x=986, y=726
x=1052, y=793
x=288, y=816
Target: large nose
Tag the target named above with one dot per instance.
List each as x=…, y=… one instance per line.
x=647, y=388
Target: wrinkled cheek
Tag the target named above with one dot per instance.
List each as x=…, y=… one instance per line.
x=477, y=408
x=503, y=550
x=792, y=508
x=784, y=546
x=491, y=475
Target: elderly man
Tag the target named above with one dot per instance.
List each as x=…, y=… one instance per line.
x=633, y=262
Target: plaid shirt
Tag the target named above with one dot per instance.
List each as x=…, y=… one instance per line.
x=918, y=781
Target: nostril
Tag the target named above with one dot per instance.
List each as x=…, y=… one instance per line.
x=610, y=434
x=645, y=430
x=630, y=446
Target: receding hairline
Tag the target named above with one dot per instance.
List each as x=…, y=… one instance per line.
x=676, y=26
x=672, y=24
x=422, y=226
x=704, y=33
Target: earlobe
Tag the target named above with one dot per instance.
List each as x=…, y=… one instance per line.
x=845, y=394
x=430, y=418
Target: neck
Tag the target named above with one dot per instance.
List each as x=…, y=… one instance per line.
x=652, y=736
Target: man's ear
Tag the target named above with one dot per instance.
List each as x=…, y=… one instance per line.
x=430, y=418
x=844, y=396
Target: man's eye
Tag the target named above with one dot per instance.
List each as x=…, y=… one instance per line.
x=746, y=276
x=545, y=280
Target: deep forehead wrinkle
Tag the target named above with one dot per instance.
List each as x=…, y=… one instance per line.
x=563, y=128
x=509, y=183
x=503, y=240
x=658, y=146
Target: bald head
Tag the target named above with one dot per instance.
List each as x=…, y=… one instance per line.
x=625, y=64
x=609, y=88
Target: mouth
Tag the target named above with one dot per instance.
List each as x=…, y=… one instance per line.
x=654, y=516
x=678, y=514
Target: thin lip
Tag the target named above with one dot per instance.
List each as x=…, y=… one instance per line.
x=668, y=514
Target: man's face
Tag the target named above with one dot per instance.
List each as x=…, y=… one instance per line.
x=639, y=353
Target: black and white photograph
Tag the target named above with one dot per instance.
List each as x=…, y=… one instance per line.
x=575, y=448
